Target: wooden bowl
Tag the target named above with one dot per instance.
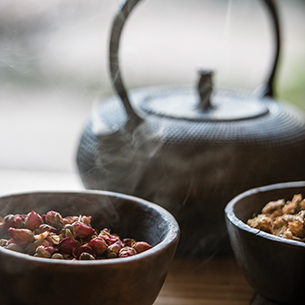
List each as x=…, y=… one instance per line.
x=133, y=280
x=273, y=266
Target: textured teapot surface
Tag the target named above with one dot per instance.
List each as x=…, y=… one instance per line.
x=189, y=150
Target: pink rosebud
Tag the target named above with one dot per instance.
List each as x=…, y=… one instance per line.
x=86, y=220
x=69, y=220
x=127, y=251
x=81, y=230
x=83, y=248
x=116, y=247
x=98, y=245
x=18, y=222
x=47, y=228
x=128, y=242
x=8, y=221
x=22, y=237
x=67, y=245
x=33, y=221
x=46, y=243
x=141, y=246
x=43, y=251
x=54, y=219
x=109, y=239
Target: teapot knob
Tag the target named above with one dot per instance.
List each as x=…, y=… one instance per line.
x=205, y=89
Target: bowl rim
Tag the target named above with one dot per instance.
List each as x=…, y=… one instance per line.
x=172, y=235
x=231, y=216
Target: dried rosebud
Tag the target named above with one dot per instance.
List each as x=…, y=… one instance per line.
x=128, y=242
x=53, y=239
x=67, y=231
x=3, y=242
x=69, y=220
x=42, y=235
x=54, y=219
x=111, y=254
x=81, y=230
x=18, y=221
x=31, y=247
x=127, y=251
x=83, y=248
x=14, y=247
x=86, y=256
x=33, y=220
x=45, y=227
x=116, y=247
x=67, y=245
x=57, y=256
x=141, y=246
x=109, y=238
x=98, y=245
x=86, y=220
x=22, y=237
x=43, y=251
x=8, y=221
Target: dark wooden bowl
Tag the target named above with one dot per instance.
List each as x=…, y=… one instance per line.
x=132, y=280
x=273, y=266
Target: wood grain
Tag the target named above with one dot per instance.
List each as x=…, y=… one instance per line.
x=205, y=282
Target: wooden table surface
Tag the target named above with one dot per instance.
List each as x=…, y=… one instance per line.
x=217, y=281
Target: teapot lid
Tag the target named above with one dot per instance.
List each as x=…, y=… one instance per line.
x=208, y=105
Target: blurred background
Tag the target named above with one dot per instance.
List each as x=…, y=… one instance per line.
x=54, y=63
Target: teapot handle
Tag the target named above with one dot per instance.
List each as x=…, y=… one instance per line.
x=117, y=27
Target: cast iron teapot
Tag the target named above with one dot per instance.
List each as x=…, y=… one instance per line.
x=191, y=150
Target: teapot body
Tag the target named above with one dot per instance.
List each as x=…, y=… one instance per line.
x=191, y=168
x=191, y=152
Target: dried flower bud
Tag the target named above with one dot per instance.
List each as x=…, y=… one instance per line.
x=67, y=245
x=127, y=251
x=86, y=220
x=53, y=239
x=116, y=247
x=33, y=220
x=141, y=246
x=109, y=238
x=31, y=247
x=54, y=219
x=42, y=251
x=81, y=230
x=45, y=227
x=18, y=222
x=111, y=254
x=83, y=248
x=3, y=242
x=128, y=242
x=14, y=247
x=86, y=256
x=57, y=256
x=68, y=231
x=69, y=220
x=42, y=235
x=22, y=237
x=8, y=221
x=98, y=245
